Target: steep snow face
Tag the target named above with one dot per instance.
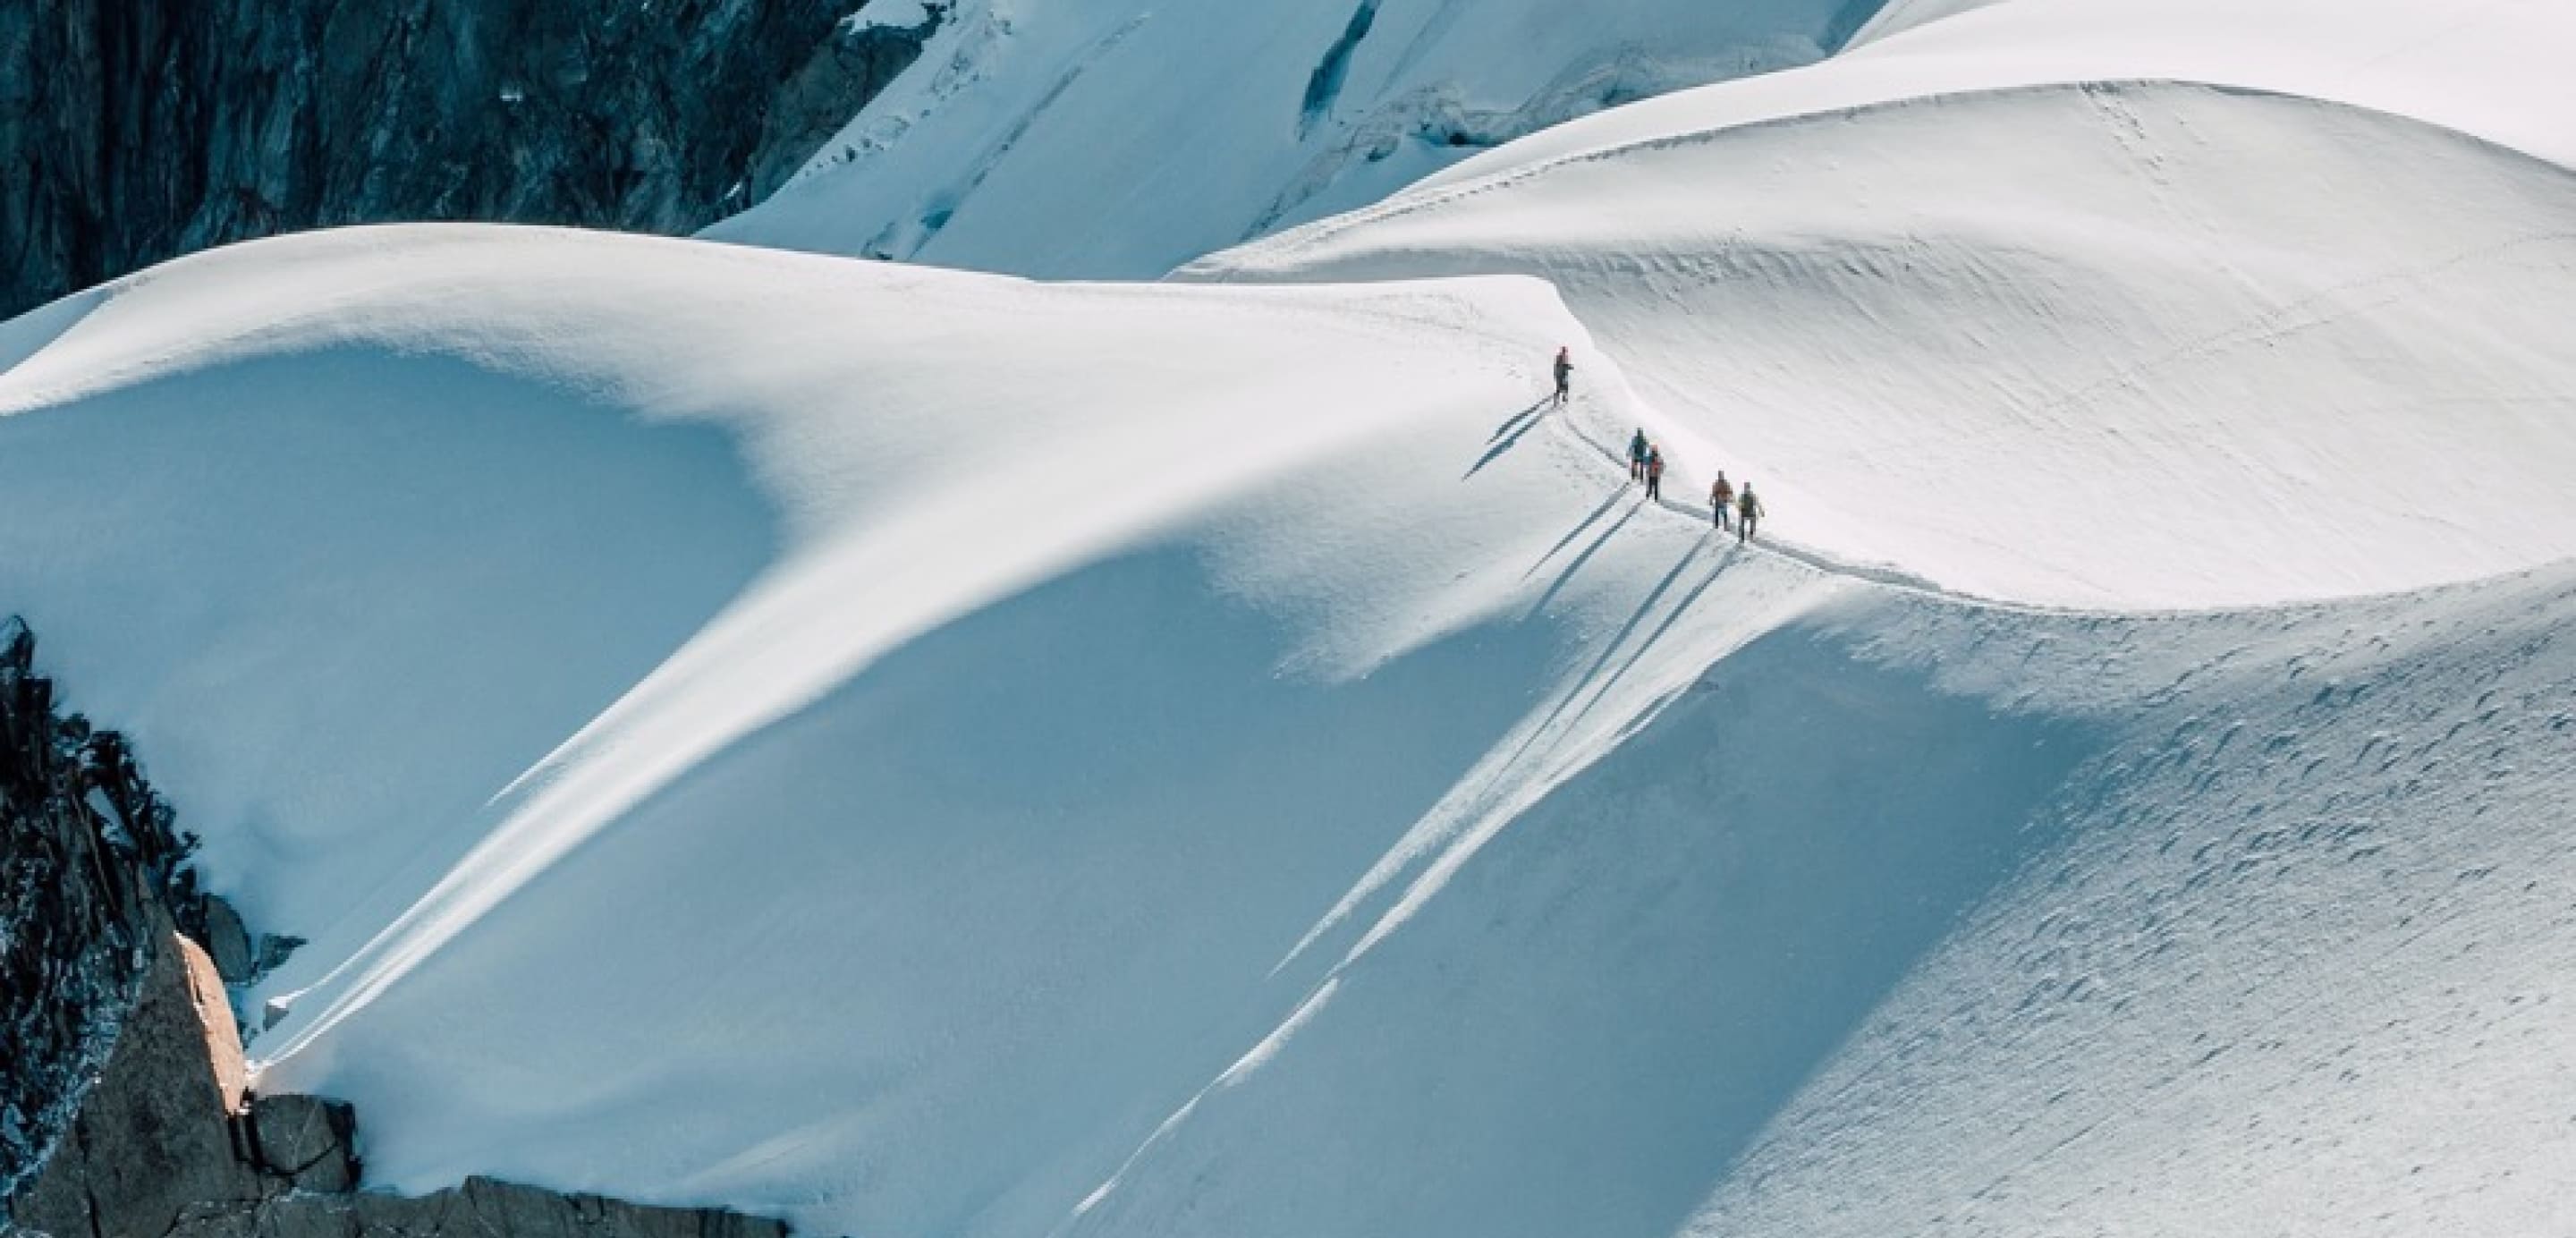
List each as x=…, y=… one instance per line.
x=1100, y=138
x=2111, y=346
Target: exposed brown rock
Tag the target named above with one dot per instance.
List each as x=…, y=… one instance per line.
x=157, y=1131
x=123, y=1109
x=168, y=1145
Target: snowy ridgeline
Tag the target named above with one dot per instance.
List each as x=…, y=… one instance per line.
x=922, y=752
x=866, y=744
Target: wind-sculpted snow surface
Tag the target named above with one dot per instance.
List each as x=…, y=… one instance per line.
x=1109, y=139
x=918, y=752
x=1916, y=917
x=2111, y=346
x=847, y=740
x=2298, y=967
x=873, y=745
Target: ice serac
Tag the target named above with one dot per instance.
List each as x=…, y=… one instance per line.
x=140, y=132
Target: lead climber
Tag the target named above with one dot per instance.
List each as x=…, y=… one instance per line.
x=1637, y=449
x=1721, y=496
x=1564, y=374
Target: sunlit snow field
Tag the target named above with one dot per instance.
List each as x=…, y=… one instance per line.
x=920, y=751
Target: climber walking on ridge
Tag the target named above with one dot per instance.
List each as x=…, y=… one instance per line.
x=1564, y=374
x=1747, y=511
x=1654, y=473
x=1721, y=496
x=1637, y=449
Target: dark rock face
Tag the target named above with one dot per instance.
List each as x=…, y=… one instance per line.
x=160, y=1130
x=169, y=1144
x=124, y=1105
x=481, y=1208
x=91, y=869
x=142, y=131
x=229, y=942
x=309, y=1141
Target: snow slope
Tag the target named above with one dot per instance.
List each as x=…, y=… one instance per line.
x=815, y=735
x=872, y=745
x=2296, y=964
x=922, y=752
x=1103, y=139
x=1921, y=918
x=2112, y=346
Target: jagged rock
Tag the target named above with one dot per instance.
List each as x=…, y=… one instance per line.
x=157, y=1131
x=274, y=950
x=135, y=132
x=814, y=103
x=123, y=1109
x=482, y=1206
x=502, y=1207
x=90, y=870
x=309, y=1142
x=228, y=942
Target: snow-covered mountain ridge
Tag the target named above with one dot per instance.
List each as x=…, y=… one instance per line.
x=1100, y=139
x=2280, y=349
x=919, y=752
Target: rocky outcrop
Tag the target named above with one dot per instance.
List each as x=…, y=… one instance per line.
x=309, y=1142
x=127, y=1107
x=481, y=1208
x=170, y=1144
x=91, y=870
x=160, y=1130
x=136, y=132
